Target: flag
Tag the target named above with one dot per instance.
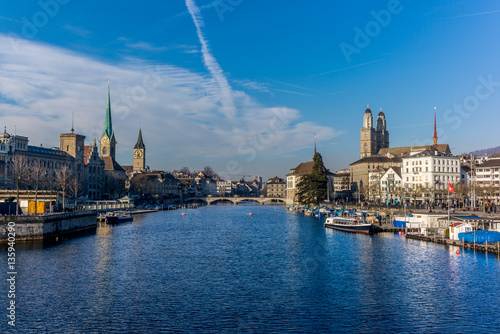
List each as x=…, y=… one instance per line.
x=450, y=188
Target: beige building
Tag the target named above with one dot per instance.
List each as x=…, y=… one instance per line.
x=293, y=178
x=276, y=187
x=361, y=169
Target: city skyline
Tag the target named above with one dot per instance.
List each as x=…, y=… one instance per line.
x=212, y=86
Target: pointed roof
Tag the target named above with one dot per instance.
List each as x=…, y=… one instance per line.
x=108, y=126
x=435, y=137
x=140, y=143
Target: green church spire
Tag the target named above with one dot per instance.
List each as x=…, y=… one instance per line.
x=108, y=126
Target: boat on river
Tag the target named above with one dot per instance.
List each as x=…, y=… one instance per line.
x=356, y=225
x=116, y=217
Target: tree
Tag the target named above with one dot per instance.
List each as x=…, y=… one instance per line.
x=312, y=188
x=461, y=191
x=416, y=191
x=185, y=171
x=208, y=171
x=75, y=188
x=63, y=178
x=19, y=172
x=38, y=175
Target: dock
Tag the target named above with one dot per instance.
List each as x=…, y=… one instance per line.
x=491, y=248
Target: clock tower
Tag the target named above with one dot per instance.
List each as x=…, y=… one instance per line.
x=139, y=154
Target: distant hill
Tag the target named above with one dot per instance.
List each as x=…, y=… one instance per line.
x=487, y=151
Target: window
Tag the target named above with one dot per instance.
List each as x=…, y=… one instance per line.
x=67, y=148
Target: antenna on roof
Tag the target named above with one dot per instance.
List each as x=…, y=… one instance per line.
x=72, y=122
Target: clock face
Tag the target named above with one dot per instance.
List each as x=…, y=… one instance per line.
x=105, y=141
x=138, y=154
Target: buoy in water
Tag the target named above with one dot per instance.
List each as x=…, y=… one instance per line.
x=250, y=214
x=458, y=252
x=183, y=213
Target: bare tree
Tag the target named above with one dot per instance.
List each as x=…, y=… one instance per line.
x=38, y=175
x=63, y=178
x=19, y=173
x=185, y=171
x=75, y=188
x=461, y=190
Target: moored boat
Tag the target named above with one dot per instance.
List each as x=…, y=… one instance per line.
x=118, y=217
x=356, y=225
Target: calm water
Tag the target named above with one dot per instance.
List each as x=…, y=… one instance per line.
x=217, y=269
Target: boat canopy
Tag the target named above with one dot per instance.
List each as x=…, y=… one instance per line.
x=481, y=236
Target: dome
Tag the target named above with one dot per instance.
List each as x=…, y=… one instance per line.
x=381, y=113
x=368, y=111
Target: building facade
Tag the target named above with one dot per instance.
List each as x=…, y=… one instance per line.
x=488, y=179
x=427, y=175
x=276, y=187
x=361, y=169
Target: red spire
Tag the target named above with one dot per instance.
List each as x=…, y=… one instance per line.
x=435, y=137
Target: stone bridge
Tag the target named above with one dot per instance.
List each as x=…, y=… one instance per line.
x=237, y=200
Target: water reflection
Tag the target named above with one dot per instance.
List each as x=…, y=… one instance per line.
x=217, y=269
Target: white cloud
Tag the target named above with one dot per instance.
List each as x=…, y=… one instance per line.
x=211, y=63
x=181, y=114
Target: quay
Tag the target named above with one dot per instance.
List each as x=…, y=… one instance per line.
x=32, y=227
x=491, y=248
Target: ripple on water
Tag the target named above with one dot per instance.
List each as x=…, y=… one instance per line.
x=217, y=269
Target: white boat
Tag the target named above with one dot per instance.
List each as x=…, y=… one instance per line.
x=357, y=225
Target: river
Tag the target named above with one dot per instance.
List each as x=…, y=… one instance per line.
x=220, y=270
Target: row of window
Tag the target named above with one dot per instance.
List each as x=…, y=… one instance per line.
x=447, y=162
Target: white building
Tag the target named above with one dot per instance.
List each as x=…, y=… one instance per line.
x=459, y=227
x=225, y=188
x=488, y=177
x=426, y=174
x=391, y=185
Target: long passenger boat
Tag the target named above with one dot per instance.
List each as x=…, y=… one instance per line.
x=356, y=225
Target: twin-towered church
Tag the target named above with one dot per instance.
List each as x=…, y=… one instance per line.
x=372, y=140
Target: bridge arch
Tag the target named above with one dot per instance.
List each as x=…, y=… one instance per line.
x=221, y=200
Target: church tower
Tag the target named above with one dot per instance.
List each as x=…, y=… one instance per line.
x=382, y=133
x=368, y=135
x=108, y=141
x=139, y=154
x=435, y=137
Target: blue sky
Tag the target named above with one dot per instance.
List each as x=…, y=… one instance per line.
x=244, y=86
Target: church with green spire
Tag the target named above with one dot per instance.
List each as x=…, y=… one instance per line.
x=108, y=144
x=108, y=141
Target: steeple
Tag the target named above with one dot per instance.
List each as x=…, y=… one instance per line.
x=139, y=154
x=140, y=143
x=435, y=137
x=108, y=126
x=108, y=141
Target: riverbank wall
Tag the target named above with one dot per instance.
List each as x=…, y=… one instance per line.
x=27, y=227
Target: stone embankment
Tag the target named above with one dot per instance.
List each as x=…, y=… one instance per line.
x=32, y=227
